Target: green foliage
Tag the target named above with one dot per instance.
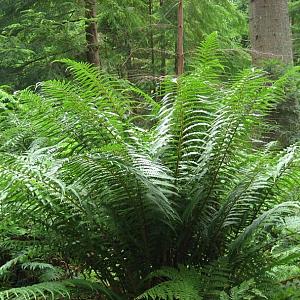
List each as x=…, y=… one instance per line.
x=174, y=204
x=137, y=39
x=286, y=115
x=33, y=34
x=182, y=285
x=52, y=290
x=294, y=13
x=247, y=290
x=185, y=283
x=39, y=290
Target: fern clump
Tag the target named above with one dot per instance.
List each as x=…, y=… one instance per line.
x=186, y=202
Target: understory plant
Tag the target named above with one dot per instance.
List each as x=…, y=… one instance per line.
x=130, y=198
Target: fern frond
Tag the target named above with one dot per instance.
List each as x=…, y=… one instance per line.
x=119, y=199
x=172, y=290
x=182, y=284
x=45, y=290
x=7, y=267
x=280, y=209
x=57, y=290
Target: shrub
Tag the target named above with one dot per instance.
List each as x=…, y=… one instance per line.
x=192, y=207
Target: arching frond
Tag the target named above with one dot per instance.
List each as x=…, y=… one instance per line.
x=120, y=198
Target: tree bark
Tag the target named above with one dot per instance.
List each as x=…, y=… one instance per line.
x=270, y=31
x=91, y=32
x=162, y=46
x=271, y=38
x=150, y=10
x=180, y=49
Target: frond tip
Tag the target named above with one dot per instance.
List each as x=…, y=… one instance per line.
x=57, y=290
x=45, y=290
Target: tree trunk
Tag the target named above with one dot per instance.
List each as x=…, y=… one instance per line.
x=270, y=31
x=162, y=46
x=180, y=49
x=270, y=34
x=150, y=10
x=91, y=32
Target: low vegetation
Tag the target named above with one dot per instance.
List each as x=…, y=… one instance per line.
x=106, y=194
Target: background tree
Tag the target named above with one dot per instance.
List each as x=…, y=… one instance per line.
x=132, y=34
x=270, y=31
x=92, y=32
x=180, y=39
x=34, y=34
x=271, y=46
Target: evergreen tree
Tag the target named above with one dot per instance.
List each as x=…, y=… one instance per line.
x=270, y=31
x=92, y=32
x=131, y=35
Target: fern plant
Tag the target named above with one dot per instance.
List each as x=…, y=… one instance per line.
x=122, y=186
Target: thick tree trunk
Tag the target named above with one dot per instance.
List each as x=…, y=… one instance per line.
x=270, y=34
x=180, y=49
x=91, y=31
x=270, y=31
